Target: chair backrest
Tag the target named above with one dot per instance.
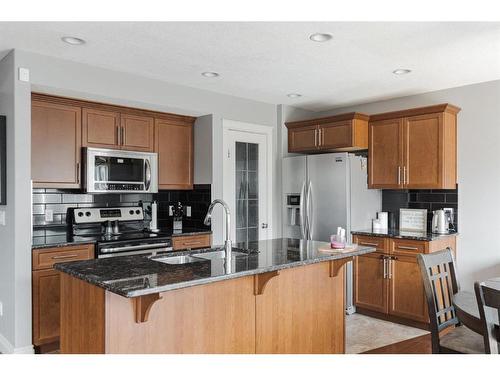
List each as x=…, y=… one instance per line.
x=439, y=277
x=488, y=302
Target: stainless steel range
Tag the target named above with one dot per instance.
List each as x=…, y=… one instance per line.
x=118, y=231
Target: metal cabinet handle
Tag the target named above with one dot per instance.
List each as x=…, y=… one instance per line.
x=192, y=243
x=64, y=256
x=316, y=137
x=389, y=261
x=407, y=247
x=118, y=134
x=368, y=244
x=399, y=175
x=385, y=266
x=78, y=172
x=404, y=176
x=123, y=135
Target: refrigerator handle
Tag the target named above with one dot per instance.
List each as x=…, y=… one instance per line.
x=310, y=208
x=302, y=211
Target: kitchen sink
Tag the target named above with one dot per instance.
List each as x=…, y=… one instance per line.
x=218, y=255
x=179, y=259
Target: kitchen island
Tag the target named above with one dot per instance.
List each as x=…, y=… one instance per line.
x=274, y=296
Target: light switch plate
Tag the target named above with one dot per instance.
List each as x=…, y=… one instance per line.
x=188, y=211
x=24, y=74
x=49, y=215
x=2, y=218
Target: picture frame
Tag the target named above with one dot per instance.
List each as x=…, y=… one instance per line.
x=3, y=160
x=413, y=220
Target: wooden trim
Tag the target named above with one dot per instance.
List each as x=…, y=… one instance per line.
x=446, y=107
x=143, y=306
x=336, y=265
x=112, y=107
x=260, y=281
x=326, y=120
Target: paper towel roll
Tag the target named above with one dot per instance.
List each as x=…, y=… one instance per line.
x=154, y=217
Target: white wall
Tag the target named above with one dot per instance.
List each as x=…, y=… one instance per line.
x=478, y=255
x=15, y=251
x=66, y=78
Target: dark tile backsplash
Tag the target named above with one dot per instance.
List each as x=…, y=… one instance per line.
x=431, y=200
x=60, y=200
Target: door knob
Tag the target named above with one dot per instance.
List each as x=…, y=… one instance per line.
x=264, y=226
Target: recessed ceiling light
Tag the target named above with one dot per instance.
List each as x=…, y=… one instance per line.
x=294, y=95
x=210, y=74
x=401, y=71
x=72, y=40
x=320, y=37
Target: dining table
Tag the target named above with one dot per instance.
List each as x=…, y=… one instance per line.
x=466, y=308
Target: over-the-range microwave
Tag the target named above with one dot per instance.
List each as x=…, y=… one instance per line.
x=118, y=171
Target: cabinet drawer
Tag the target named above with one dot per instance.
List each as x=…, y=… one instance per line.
x=378, y=242
x=407, y=247
x=46, y=258
x=191, y=242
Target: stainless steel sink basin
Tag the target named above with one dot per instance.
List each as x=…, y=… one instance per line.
x=179, y=259
x=218, y=255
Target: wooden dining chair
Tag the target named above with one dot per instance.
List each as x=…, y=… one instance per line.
x=488, y=302
x=439, y=276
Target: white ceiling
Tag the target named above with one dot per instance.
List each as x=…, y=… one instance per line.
x=264, y=61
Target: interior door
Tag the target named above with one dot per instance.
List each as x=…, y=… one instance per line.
x=423, y=157
x=245, y=184
x=385, y=154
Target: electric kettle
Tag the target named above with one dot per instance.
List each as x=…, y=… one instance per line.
x=439, y=222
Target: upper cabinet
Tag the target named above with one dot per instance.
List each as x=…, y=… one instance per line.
x=62, y=126
x=55, y=144
x=174, y=145
x=414, y=149
x=346, y=132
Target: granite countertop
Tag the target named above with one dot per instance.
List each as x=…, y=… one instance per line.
x=132, y=276
x=68, y=239
x=408, y=235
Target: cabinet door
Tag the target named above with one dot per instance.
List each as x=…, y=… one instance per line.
x=138, y=133
x=174, y=145
x=423, y=151
x=406, y=290
x=46, y=314
x=55, y=145
x=303, y=138
x=370, y=282
x=336, y=135
x=100, y=128
x=385, y=152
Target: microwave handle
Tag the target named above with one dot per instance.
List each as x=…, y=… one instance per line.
x=147, y=174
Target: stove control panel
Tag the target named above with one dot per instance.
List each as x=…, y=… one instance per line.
x=99, y=215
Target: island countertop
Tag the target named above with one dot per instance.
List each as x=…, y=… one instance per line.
x=138, y=275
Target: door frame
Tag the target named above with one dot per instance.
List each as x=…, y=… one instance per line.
x=246, y=127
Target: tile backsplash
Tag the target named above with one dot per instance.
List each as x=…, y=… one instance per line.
x=60, y=200
x=393, y=200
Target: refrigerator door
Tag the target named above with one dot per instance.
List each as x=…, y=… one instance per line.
x=294, y=183
x=327, y=194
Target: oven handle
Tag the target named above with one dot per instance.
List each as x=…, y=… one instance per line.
x=151, y=252
x=160, y=245
x=147, y=173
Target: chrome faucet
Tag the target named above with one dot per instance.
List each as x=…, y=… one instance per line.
x=208, y=220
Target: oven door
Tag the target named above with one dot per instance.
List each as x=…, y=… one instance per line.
x=114, y=171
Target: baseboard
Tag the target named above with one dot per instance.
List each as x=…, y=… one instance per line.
x=7, y=348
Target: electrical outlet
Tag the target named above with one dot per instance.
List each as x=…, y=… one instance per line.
x=49, y=215
x=170, y=210
x=188, y=211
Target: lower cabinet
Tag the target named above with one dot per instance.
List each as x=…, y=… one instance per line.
x=46, y=289
x=388, y=282
x=191, y=242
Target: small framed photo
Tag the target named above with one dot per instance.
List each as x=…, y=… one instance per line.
x=412, y=220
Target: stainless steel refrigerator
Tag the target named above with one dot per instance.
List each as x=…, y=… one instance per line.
x=323, y=192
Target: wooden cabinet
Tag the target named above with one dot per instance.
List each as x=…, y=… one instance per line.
x=46, y=289
x=191, y=242
x=388, y=284
x=413, y=149
x=174, y=145
x=346, y=132
x=100, y=128
x=137, y=133
x=55, y=145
